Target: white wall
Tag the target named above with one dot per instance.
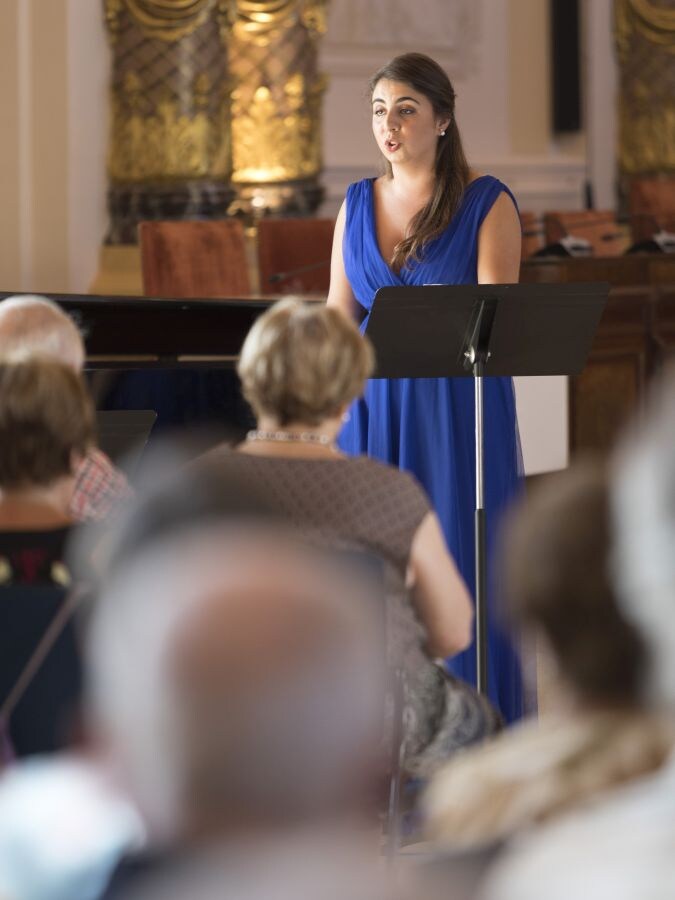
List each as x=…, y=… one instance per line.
x=52, y=167
x=600, y=113
x=542, y=405
x=88, y=106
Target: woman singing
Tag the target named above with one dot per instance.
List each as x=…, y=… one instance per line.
x=431, y=219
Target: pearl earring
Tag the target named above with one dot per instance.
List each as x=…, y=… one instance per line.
x=442, y=134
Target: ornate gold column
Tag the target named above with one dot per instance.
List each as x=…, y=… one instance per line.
x=645, y=40
x=276, y=106
x=170, y=152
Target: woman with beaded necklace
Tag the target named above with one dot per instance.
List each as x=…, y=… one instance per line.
x=301, y=366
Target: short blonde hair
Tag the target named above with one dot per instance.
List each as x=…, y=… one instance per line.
x=303, y=362
x=46, y=415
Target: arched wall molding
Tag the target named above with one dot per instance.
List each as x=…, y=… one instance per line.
x=363, y=31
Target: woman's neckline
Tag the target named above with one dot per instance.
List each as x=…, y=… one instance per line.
x=301, y=454
x=469, y=184
x=373, y=218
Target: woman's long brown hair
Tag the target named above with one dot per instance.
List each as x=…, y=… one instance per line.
x=451, y=168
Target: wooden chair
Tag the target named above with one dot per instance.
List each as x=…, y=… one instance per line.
x=287, y=245
x=533, y=234
x=651, y=205
x=599, y=227
x=194, y=259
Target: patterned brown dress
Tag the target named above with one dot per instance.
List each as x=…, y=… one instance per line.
x=359, y=503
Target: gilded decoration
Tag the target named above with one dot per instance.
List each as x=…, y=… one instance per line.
x=170, y=111
x=167, y=145
x=169, y=152
x=272, y=144
x=167, y=20
x=276, y=105
x=206, y=94
x=260, y=20
x=645, y=40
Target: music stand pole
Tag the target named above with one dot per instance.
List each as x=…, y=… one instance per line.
x=480, y=537
x=450, y=331
x=476, y=355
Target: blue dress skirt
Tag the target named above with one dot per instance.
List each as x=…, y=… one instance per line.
x=426, y=425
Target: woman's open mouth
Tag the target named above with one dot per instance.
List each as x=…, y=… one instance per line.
x=391, y=146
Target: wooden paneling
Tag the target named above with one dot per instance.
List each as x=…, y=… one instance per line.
x=651, y=203
x=635, y=337
x=533, y=234
x=604, y=397
x=662, y=326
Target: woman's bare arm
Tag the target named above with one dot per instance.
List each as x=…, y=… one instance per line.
x=340, y=292
x=499, y=241
x=440, y=595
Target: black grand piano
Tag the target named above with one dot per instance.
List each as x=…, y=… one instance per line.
x=159, y=332
x=172, y=357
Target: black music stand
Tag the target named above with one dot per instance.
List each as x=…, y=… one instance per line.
x=441, y=331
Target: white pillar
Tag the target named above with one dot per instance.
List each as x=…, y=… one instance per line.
x=88, y=111
x=600, y=93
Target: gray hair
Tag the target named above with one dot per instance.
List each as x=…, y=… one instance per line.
x=644, y=517
x=295, y=704
x=31, y=325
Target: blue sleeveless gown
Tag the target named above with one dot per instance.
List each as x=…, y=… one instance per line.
x=426, y=425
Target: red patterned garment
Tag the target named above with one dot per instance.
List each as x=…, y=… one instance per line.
x=100, y=486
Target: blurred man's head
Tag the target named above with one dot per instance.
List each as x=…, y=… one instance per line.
x=35, y=326
x=236, y=677
x=644, y=519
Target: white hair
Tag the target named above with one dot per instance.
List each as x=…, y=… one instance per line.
x=644, y=516
x=287, y=746
x=31, y=325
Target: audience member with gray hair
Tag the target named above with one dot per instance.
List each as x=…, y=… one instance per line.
x=236, y=696
x=36, y=326
x=620, y=846
x=301, y=366
x=241, y=707
x=237, y=681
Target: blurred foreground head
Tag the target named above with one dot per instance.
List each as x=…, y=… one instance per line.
x=557, y=560
x=644, y=519
x=235, y=673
